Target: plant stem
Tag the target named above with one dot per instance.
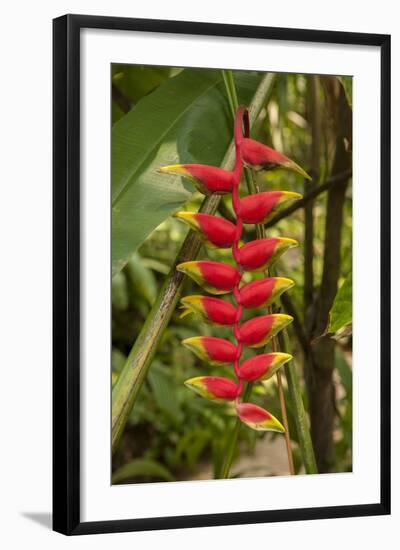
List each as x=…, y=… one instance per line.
x=134, y=372
x=303, y=432
x=285, y=421
x=232, y=440
x=231, y=96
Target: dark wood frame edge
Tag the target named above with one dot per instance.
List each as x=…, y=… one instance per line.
x=66, y=273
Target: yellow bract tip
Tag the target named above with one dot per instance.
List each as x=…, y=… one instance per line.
x=185, y=265
x=192, y=299
x=192, y=340
x=184, y=215
x=288, y=241
x=283, y=281
x=283, y=317
x=173, y=169
x=283, y=357
x=193, y=381
x=274, y=425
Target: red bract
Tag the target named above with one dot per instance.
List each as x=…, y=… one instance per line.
x=259, y=254
x=256, y=332
x=257, y=418
x=262, y=367
x=263, y=292
x=214, y=231
x=212, y=310
x=215, y=277
x=207, y=179
x=263, y=157
x=220, y=278
x=259, y=207
x=215, y=388
x=215, y=351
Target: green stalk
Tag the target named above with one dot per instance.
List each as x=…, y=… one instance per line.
x=133, y=374
x=232, y=441
x=231, y=97
x=303, y=431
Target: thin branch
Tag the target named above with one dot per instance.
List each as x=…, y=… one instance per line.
x=338, y=178
x=290, y=309
x=315, y=123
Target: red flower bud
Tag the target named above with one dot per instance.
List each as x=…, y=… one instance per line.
x=263, y=157
x=256, y=332
x=212, y=310
x=215, y=231
x=261, y=206
x=215, y=388
x=258, y=418
x=207, y=179
x=215, y=351
x=259, y=254
x=215, y=277
x=263, y=292
x=262, y=367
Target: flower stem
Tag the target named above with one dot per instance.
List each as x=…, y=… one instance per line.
x=231, y=91
x=285, y=422
x=232, y=440
x=303, y=432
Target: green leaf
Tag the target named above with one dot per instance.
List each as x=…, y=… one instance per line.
x=341, y=312
x=137, y=81
x=190, y=446
x=347, y=83
x=141, y=467
x=119, y=292
x=164, y=391
x=185, y=120
x=141, y=279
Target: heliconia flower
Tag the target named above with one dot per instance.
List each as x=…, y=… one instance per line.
x=261, y=253
x=262, y=367
x=263, y=157
x=215, y=388
x=256, y=332
x=263, y=292
x=216, y=351
x=215, y=277
x=207, y=179
x=214, y=231
x=212, y=310
x=259, y=207
x=258, y=418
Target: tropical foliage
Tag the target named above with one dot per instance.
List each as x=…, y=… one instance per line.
x=164, y=117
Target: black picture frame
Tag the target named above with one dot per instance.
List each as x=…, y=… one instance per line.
x=66, y=272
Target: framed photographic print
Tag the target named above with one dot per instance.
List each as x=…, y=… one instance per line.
x=221, y=274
